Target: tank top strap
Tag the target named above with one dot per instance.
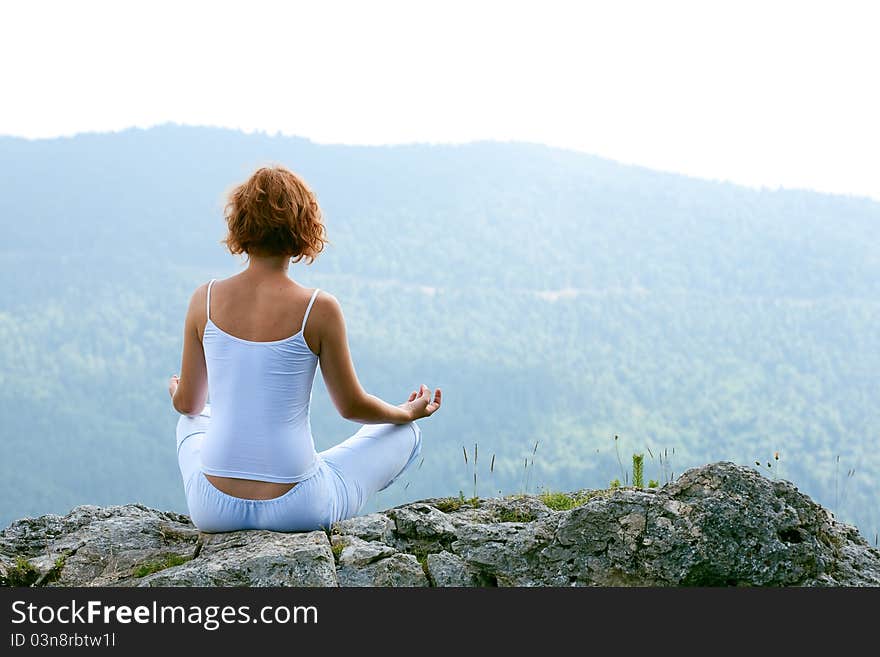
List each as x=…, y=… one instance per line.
x=208, y=301
x=309, y=308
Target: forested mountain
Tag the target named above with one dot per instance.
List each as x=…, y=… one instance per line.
x=556, y=297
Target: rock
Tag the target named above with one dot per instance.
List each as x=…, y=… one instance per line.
x=100, y=546
x=446, y=569
x=371, y=527
x=7, y=570
x=720, y=524
x=507, y=554
x=397, y=570
x=421, y=521
x=358, y=552
x=254, y=558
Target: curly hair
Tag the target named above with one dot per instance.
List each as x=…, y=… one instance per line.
x=274, y=213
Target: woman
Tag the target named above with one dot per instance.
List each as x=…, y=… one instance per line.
x=248, y=459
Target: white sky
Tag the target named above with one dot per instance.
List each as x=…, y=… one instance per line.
x=761, y=93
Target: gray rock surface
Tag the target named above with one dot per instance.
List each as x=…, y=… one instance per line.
x=446, y=569
x=720, y=524
x=398, y=569
x=257, y=558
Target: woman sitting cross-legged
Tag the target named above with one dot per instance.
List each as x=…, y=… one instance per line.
x=254, y=340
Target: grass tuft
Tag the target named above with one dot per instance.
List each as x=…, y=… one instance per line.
x=22, y=574
x=155, y=566
x=448, y=504
x=514, y=515
x=564, y=501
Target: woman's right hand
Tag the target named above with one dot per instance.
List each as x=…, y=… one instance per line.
x=421, y=403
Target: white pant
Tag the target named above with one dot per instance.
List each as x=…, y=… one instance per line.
x=346, y=476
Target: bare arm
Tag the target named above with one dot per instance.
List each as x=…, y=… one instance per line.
x=346, y=392
x=189, y=391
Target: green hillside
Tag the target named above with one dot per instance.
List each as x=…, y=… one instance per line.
x=556, y=297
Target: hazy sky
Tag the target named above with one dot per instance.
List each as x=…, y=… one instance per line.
x=762, y=93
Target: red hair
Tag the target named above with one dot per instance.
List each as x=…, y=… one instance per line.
x=274, y=213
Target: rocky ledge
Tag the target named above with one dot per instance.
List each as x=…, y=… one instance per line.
x=720, y=524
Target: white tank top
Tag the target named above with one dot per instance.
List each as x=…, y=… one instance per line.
x=260, y=394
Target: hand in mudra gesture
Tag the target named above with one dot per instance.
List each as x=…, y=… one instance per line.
x=422, y=403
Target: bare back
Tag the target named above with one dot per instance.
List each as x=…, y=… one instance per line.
x=261, y=310
x=258, y=309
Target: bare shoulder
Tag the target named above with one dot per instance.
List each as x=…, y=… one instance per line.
x=197, y=312
x=325, y=321
x=326, y=306
x=199, y=296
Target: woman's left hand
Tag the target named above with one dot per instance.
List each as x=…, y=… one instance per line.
x=173, y=382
